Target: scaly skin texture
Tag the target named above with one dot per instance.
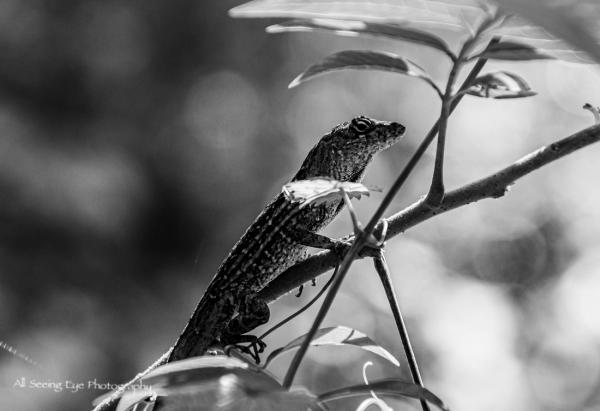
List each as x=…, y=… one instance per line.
x=276, y=240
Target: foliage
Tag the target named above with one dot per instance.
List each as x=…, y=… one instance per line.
x=337, y=336
x=539, y=31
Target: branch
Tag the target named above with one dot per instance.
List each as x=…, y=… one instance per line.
x=493, y=186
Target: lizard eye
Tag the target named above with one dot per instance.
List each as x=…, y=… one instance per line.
x=362, y=125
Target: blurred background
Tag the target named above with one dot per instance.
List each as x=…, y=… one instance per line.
x=138, y=140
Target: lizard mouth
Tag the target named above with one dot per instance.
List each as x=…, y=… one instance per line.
x=395, y=131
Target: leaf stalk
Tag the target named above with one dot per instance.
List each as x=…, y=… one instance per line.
x=385, y=277
x=449, y=100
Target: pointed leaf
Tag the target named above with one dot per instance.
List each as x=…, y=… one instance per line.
x=501, y=84
x=509, y=50
x=572, y=21
x=417, y=13
x=322, y=189
x=336, y=336
x=354, y=28
x=389, y=387
x=517, y=29
x=363, y=60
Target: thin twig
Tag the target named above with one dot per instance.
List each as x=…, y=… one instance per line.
x=384, y=275
x=301, y=310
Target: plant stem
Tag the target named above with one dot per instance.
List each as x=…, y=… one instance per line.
x=437, y=190
x=337, y=282
x=384, y=274
x=360, y=239
x=301, y=310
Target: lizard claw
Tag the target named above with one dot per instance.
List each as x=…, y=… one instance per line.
x=341, y=247
x=255, y=346
x=313, y=282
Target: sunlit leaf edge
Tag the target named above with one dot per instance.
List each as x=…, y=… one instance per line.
x=356, y=28
x=318, y=189
x=363, y=60
x=512, y=51
x=296, y=342
x=516, y=86
x=390, y=387
x=440, y=13
x=560, y=19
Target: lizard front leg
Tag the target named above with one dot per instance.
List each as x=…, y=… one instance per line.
x=338, y=246
x=253, y=312
x=311, y=239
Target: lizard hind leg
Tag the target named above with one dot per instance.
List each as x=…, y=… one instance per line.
x=253, y=312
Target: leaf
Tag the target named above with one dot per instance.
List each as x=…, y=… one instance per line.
x=224, y=383
x=200, y=382
x=144, y=400
x=416, y=13
x=576, y=22
x=509, y=50
x=230, y=393
x=321, y=189
x=515, y=28
x=208, y=368
x=500, y=84
x=363, y=60
x=336, y=336
x=355, y=28
x=389, y=387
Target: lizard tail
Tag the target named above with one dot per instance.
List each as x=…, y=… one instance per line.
x=211, y=317
x=110, y=402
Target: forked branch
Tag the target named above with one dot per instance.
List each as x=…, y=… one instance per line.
x=493, y=186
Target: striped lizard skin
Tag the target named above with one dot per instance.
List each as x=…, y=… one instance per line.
x=278, y=239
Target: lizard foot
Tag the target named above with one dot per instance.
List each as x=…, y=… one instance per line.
x=313, y=282
x=254, y=348
x=341, y=247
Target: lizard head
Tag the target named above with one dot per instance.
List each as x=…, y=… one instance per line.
x=345, y=152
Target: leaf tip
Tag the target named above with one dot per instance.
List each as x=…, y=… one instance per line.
x=274, y=29
x=233, y=12
x=295, y=82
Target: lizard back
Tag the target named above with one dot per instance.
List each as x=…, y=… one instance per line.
x=268, y=247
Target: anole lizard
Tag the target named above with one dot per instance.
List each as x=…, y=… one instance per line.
x=276, y=240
